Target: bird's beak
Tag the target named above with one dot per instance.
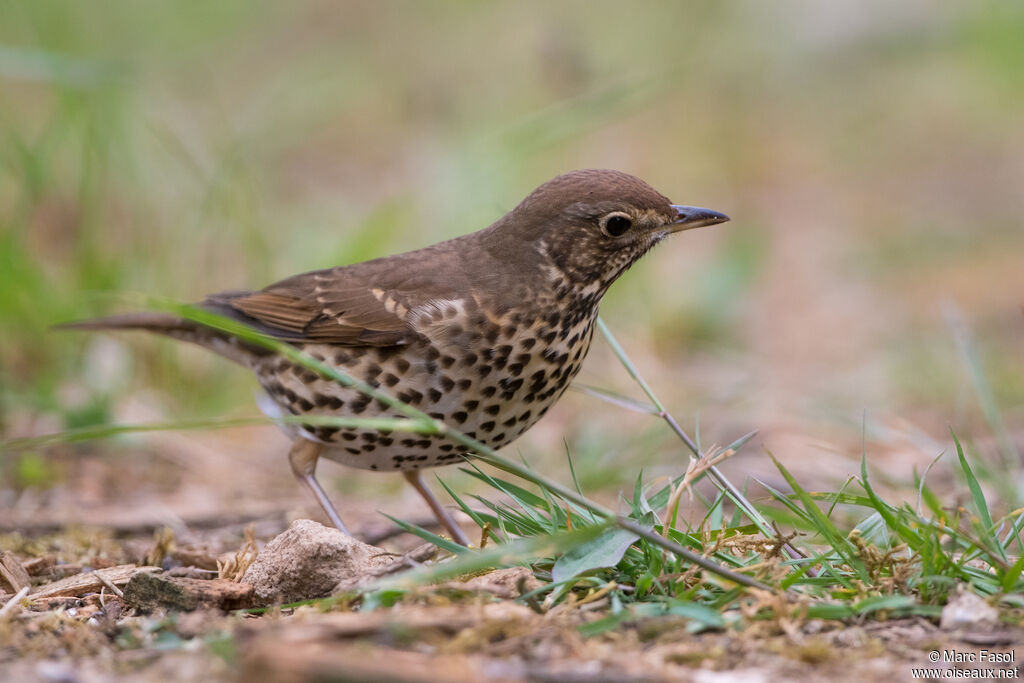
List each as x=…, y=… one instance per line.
x=695, y=217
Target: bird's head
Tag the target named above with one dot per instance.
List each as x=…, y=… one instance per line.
x=589, y=226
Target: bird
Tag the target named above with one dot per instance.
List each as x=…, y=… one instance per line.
x=483, y=332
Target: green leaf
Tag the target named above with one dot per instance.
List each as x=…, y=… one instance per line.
x=439, y=541
x=891, y=602
x=873, y=530
x=972, y=483
x=1010, y=577
x=604, y=551
x=704, y=618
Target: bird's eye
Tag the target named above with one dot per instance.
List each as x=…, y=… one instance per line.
x=616, y=224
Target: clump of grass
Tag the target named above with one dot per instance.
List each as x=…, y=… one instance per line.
x=896, y=560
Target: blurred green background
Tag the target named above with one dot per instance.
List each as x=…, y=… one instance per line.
x=871, y=155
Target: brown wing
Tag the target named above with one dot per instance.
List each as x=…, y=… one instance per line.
x=363, y=304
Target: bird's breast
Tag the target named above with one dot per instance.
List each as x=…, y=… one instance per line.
x=490, y=374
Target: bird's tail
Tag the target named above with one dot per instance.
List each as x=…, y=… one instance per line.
x=173, y=326
x=162, y=323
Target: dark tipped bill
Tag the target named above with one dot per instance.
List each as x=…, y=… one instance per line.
x=695, y=217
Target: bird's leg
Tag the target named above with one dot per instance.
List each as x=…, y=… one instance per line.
x=415, y=477
x=303, y=457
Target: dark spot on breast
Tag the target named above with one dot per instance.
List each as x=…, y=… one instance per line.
x=325, y=433
x=447, y=383
x=525, y=416
x=510, y=385
x=447, y=447
x=372, y=370
x=340, y=357
x=504, y=351
x=528, y=344
x=498, y=438
x=492, y=409
x=470, y=359
x=410, y=396
x=402, y=365
x=511, y=422
x=432, y=353
x=423, y=443
x=447, y=361
x=515, y=369
x=549, y=337
x=304, y=405
x=348, y=436
x=464, y=384
x=359, y=405
x=390, y=380
x=488, y=426
x=487, y=392
x=385, y=441
x=434, y=395
x=509, y=331
x=492, y=333
x=408, y=443
x=483, y=370
x=460, y=416
x=471, y=405
x=353, y=451
x=369, y=437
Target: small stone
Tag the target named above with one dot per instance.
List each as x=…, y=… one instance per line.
x=307, y=561
x=967, y=610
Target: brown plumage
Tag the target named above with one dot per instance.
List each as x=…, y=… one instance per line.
x=484, y=331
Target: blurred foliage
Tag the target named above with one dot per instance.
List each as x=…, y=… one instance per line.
x=870, y=154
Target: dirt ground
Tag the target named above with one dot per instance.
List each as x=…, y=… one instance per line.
x=178, y=501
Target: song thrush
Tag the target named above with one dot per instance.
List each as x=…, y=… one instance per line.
x=484, y=331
